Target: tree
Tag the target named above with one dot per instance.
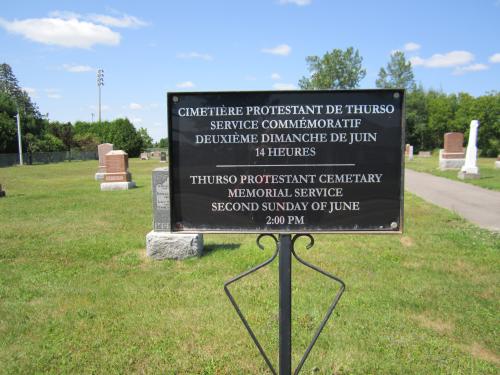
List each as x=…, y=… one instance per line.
x=63, y=131
x=8, y=126
x=10, y=86
x=417, y=118
x=163, y=143
x=398, y=74
x=337, y=69
x=147, y=141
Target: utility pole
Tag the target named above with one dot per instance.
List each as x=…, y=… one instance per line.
x=19, y=138
x=100, y=83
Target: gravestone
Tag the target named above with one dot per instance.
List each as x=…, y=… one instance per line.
x=161, y=243
x=144, y=156
x=453, y=155
x=410, y=153
x=407, y=149
x=102, y=150
x=163, y=157
x=117, y=176
x=424, y=154
x=470, y=169
x=2, y=192
x=497, y=162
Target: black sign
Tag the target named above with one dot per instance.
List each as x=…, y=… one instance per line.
x=286, y=161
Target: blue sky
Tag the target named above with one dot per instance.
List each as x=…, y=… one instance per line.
x=148, y=48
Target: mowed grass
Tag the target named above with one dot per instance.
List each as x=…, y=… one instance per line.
x=78, y=295
x=490, y=177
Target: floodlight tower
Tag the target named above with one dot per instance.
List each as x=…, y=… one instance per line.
x=100, y=82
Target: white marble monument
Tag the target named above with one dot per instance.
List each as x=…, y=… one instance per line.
x=410, y=153
x=470, y=169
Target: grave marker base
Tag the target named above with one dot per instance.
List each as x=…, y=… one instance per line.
x=109, y=186
x=463, y=175
x=167, y=245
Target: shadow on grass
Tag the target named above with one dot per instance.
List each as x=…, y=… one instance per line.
x=212, y=248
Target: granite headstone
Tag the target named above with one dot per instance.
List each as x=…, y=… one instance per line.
x=453, y=155
x=102, y=150
x=161, y=243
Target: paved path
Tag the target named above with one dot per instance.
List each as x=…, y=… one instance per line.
x=478, y=205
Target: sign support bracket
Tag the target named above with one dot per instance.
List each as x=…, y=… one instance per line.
x=285, y=247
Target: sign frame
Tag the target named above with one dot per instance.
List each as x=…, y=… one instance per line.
x=173, y=229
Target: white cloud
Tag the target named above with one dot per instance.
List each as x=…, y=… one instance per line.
x=195, y=55
x=122, y=20
x=495, y=58
x=411, y=46
x=450, y=59
x=71, y=32
x=77, y=68
x=284, y=86
x=135, y=106
x=281, y=50
x=275, y=76
x=470, y=68
x=136, y=120
x=185, y=85
x=53, y=93
x=125, y=21
x=296, y=2
x=30, y=91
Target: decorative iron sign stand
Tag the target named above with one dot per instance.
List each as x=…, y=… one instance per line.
x=286, y=162
x=285, y=248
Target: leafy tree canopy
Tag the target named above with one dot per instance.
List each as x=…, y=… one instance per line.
x=337, y=69
x=397, y=74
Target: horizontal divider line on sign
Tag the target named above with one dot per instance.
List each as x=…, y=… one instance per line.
x=283, y=165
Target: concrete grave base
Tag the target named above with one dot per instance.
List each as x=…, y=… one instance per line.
x=497, y=164
x=446, y=164
x=167, y=245
x=99, y=176
x=109, y=186
x=463, y=175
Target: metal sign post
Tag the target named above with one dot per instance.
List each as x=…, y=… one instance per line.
x=286, y=162
x=285, y=247
x=285, y=320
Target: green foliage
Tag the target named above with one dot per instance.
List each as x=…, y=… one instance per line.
x=430, y=114
x=13, y=100
x=397, y=74
x=163, y=143
x=10, y=86
x=147, y=141
x=63, y=131
x=46, y=143
x=337, y=69
x=8, y=126
x=120, y=132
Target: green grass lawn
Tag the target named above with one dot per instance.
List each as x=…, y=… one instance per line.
x=78, y=295
x=490, y=177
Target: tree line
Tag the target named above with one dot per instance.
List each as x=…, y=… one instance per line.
x=41, y=135
x=429, y=113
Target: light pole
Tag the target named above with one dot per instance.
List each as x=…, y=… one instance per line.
x=100, y=82
x=19, y=138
